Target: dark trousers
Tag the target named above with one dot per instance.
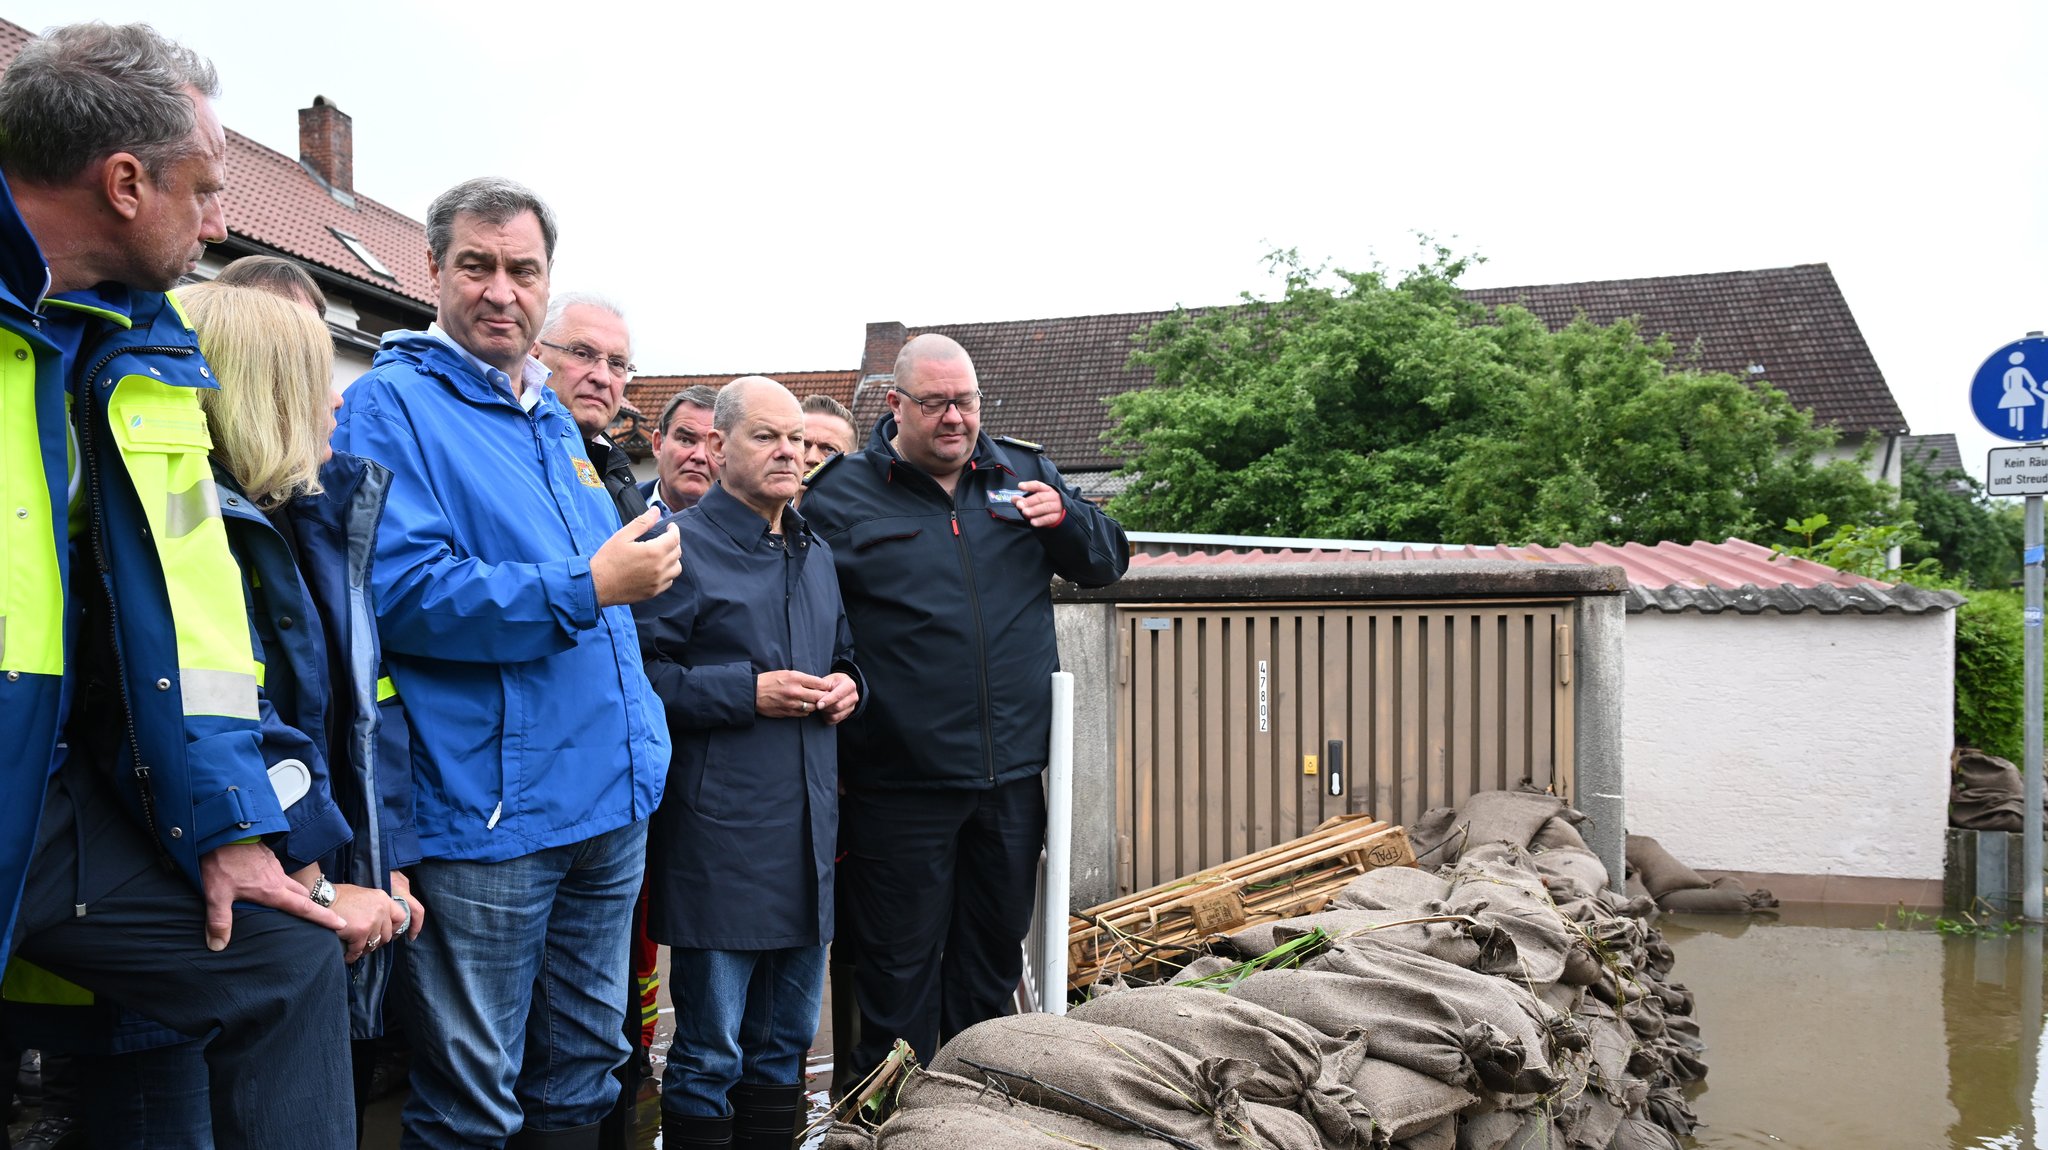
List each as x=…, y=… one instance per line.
x=936, y=890
x=273, y=1002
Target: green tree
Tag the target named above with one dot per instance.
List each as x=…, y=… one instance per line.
x=1366, y=405
x=1975, y=538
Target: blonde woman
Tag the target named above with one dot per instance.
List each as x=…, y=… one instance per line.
x=301, y=520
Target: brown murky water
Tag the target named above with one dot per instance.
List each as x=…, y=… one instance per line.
x=1824, y=1031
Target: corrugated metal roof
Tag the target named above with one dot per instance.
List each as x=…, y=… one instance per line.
x=1735, y=575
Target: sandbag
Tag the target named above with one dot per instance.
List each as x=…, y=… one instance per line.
x=1493, y=885
x=1082, y=1067
x=1661, y=872
x=1580, y=868
x=1636, y=1133
x=1557, y=833
x=1437, y=836
x=1985, y=793
x=1509, y=1130
x=1205, y=967
x=1129, y=1073
x=847, y=1136
x=1507, y=816
x=930, y=1089
x=1292, y=1065
x=1402, y=1101
x=1442, y=1136
x=1501, y=1003
x=1451, y=941
x=954, y=1127
x=1408, y=1024
x=1399, y=888
x=1727, y=896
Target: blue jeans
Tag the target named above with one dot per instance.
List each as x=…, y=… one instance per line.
x=742, y=1016
x=516, y=990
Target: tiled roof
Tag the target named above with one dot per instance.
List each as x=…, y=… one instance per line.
x=273, y=202
x=1792, y=322
x=1046, y=380
x=1935, y=453
x=1710, y=578
x=651, y=393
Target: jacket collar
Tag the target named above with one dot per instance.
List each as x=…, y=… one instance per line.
x=742, y=523
x=881, y=453
x=24, y=273
x=467, y=375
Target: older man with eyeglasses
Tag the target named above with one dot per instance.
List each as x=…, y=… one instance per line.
x=945, y=542
x=588, y=352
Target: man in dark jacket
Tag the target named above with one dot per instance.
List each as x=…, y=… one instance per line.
x=751, y=656
x=946, y=543
x=588, y=352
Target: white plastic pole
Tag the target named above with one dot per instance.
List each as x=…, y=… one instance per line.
x=1059, y=849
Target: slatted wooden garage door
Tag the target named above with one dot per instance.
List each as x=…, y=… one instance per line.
x=1244, y=726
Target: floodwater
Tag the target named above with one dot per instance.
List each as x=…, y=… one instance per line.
x=1825, y=1031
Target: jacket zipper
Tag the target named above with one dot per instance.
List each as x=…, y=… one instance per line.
x=988, y=753
x=99, y=549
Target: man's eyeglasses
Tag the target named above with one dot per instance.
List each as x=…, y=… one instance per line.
x=934, y=408
x=590, y=357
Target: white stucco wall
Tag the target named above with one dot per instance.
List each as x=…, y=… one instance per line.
x=1886, y=461
x=1803, y=744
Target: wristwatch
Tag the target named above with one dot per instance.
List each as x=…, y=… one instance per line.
x=323, y=891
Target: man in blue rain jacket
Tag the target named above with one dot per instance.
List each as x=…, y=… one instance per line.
x=502, y=581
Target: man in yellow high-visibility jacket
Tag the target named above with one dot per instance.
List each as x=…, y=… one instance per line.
x=113, y=164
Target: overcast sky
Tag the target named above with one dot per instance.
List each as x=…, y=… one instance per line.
x=755, y=182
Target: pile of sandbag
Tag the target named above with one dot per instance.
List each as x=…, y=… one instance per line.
x=1678, y=888
x=1502, y=999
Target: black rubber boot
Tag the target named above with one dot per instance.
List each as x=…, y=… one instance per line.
x=765, y=1117
x=571, y=1138
x=688, y=1130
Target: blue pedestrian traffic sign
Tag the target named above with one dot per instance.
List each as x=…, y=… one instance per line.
x=2010, y=393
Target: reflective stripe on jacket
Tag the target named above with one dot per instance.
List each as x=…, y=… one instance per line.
x=171, y=709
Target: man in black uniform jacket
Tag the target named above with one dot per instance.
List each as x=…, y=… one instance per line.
x=946, y=542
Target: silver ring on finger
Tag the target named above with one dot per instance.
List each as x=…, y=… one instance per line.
x=807, y=706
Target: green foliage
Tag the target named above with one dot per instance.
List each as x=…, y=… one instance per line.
x=1973, y=537
x=1860, y=550
x=1368, y=405
x=1990, y=673
x=1980, y=921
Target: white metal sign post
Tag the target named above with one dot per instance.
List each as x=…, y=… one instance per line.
x=2010, y=398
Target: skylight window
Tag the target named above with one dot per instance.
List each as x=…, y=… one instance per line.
x=361, y=252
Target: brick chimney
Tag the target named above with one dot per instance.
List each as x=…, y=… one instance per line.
x=878, y=358
x=327, y=147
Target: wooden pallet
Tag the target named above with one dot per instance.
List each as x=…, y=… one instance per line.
x=1153, y=931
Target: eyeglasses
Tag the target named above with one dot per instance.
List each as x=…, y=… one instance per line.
x=933, y=408
x=590, y=357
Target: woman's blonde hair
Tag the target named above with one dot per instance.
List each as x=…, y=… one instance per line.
x=275, y=368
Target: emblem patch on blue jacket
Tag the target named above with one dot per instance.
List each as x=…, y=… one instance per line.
x=587, y=472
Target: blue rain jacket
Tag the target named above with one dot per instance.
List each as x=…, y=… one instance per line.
x=532, y=722
x=309, y=605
